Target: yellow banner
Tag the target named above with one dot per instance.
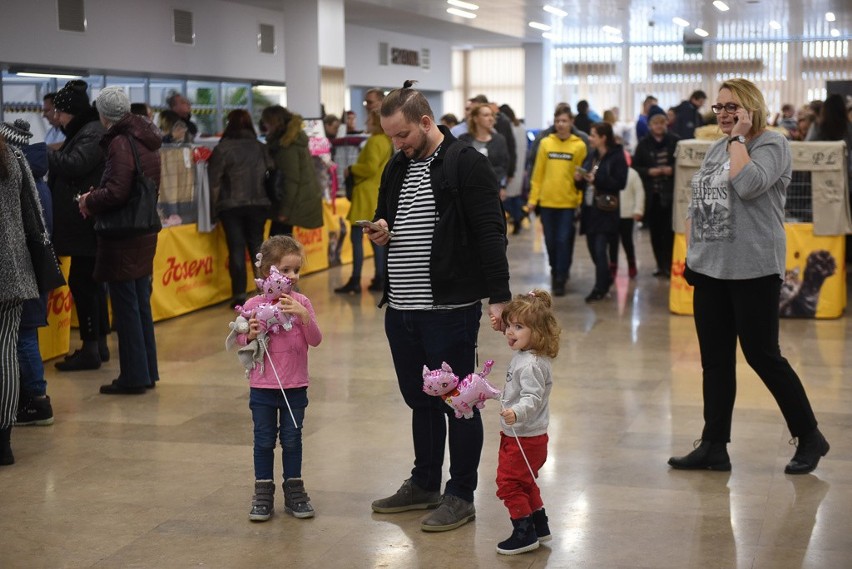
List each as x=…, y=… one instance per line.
x=190, y=271
x=814, y=284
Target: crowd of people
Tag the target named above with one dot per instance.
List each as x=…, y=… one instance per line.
x=434, y=198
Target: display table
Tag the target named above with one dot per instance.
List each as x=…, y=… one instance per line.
x=815, y=280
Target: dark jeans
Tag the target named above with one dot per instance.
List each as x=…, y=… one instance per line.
x=357, y=238
x=558, y=227
x=243, y=229
x=625, y=235
x=746, y=309
x=272, y=421
x=30, y=364
x=659, y=218
x=597, y=244
x=429, y=337
x=90, y=298
x=514, y=205
x=137, y=347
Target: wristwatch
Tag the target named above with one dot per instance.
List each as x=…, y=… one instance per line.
x=739, y=138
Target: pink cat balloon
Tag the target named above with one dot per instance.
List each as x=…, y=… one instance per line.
x=268, y=314
x=472, y=392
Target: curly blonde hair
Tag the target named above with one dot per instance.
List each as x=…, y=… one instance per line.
x=276, y=247
x=535, y=311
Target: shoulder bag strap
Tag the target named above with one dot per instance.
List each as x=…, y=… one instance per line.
x=30, y=197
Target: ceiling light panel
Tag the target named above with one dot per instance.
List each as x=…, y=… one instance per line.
x=462, y=13
x=721, y=6
x=555, y=11
x=462, y=5
x=540, y=26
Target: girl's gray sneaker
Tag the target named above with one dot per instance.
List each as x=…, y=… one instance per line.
x=296, y=500
x=262, y=501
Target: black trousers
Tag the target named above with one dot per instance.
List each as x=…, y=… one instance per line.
x=727, y=310
x=90, y=298
x=625, y=236
x=243, y=231
x=659, y=219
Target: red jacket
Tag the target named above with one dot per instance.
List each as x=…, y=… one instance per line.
x=122, y=259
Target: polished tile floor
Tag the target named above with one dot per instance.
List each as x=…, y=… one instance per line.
x=164, y=480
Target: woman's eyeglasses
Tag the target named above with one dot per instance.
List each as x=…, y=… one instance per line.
x=730, y=108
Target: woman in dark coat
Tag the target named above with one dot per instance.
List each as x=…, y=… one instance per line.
x=76, y=166
x=126, y=263
x=482, y=136
x=606, y=174
x=237, y=171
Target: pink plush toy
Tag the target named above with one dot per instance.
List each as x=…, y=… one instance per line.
x=270, y=316
x=462, y=397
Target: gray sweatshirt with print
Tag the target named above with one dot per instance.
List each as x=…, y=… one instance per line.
x=527, y=391
x=737, y=225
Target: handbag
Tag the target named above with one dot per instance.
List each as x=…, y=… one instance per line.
x=139, y=215
x=606, y=202
x=48, y=275
x=272, y=185
x=45, y=264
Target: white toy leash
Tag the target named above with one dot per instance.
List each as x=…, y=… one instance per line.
x=275, y=371
x=523, y=454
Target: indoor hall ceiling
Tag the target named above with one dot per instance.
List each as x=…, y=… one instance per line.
x=505, y=22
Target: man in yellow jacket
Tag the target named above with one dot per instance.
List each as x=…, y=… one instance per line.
x=554, y=197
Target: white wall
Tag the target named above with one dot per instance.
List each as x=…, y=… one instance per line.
x=362, y=60
x=136, y=37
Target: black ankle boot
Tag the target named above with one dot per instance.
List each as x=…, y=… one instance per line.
x=6, y=456
x=103, y=349
x=523, y=538
x=80, y=360
x=559, y=285
x=706, y=456
x=809, y=450
x=352, y=286
x=377, y=284
x=542, y=530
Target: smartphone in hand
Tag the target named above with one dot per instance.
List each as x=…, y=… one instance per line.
x=373, y=226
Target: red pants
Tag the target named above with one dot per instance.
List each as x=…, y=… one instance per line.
x=515, y=485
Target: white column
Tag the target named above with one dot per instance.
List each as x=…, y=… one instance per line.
x=314, y=36
x=538, y=86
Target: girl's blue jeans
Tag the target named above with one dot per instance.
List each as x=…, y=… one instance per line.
x=272, y=421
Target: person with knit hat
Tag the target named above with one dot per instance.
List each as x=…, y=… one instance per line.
x=33, y=402
x=655, y=160
x=126, y=263
x=76, y=165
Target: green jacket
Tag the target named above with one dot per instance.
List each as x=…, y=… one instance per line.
x=299, y=197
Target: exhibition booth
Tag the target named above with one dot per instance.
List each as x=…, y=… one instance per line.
x=191, y=263
x=817, y=219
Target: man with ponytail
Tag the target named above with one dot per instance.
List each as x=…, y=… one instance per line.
x=440, y=216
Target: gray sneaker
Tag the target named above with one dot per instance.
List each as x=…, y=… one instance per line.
x=408, y=497
x=452, y=513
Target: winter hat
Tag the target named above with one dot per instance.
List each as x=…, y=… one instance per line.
x=72, y=99
x=17, y=134
x=655, y=110
x=113, y=104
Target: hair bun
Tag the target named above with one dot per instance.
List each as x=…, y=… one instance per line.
x=409, y=83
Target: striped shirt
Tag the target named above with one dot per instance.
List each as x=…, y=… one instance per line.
x=410, y=250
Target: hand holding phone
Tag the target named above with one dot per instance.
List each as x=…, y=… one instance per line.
x=373, y=226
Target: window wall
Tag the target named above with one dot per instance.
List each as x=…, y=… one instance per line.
x=21, y=97
x=786, y=71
